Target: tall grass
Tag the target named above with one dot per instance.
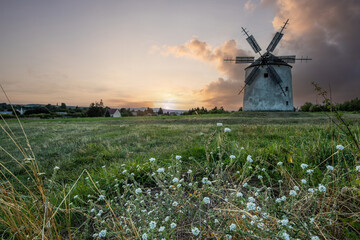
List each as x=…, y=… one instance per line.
x=242, y=183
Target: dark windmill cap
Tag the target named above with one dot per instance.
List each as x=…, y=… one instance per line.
x=269, y=59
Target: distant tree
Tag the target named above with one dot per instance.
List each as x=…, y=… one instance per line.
x=125, y=112
x=107, y=113
x=160, y=112
x=96, y=110
x=306, y=107
x=63, y=106
x=240, y=109
x=149, y=111
x=140, y=113
x=36, y=110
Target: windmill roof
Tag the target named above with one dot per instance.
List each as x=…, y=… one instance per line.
x=268, y=59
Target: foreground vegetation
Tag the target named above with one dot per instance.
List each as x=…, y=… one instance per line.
x=258, y=176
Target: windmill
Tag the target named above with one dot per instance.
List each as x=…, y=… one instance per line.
x=268, y=80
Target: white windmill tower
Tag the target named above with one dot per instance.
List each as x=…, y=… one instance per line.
x=268, y=80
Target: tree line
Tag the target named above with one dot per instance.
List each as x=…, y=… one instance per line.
x=348, y=106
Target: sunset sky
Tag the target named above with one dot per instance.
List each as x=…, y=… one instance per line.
x=157, y=53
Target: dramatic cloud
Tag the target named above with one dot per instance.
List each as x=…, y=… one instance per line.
x=223, y=92
x=326, y=30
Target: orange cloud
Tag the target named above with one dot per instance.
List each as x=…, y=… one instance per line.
x=222, y=92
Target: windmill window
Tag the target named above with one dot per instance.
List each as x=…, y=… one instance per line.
x=286, y=88
x=287, y=103
x=266, y=75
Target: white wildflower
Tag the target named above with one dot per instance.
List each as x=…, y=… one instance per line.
x=173, y=225
x=292, y=193
x=205, y=180
x=315, y=238
x=227, y=130
x=260, y=177
x=311, y=190
x=206, y=200
x=330, y=168
x=232, y=156
x=216, y=221
x=195, y=231
x=102, y=233
x=286, y=236
x=284, y=222
x=249, y=159
x=152, y=159
x=99, y=213
x=228, y=237
x=280, y=163
x=232, y=227
x=322, y=188
x=303, y=181
x=144, y=236
x=162, y=228
x=239, y=194
x=340, y=147
x=177, y=157
x=357, y=168
x=124, y=171
x=160, y=170
x=296, y=188
x=219, y=124
x=175, y=180
x=101, y=197
x=310, y=171
x=251, y=206
x=189, y=171
x=138, y=190
x=152, y=225
x=303, y=166
x=175, y=204
x=56, y=168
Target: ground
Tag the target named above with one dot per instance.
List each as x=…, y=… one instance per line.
x=109, y=144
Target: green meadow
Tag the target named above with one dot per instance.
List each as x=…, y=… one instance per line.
x=181, y=177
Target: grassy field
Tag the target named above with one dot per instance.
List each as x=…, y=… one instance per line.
x=132, y=194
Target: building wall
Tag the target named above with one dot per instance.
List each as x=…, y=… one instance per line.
x=264, y=94
x=117, y=114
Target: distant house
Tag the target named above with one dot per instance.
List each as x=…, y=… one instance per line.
x=114, y=112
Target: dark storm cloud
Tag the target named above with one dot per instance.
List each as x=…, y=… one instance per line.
x=327, y=31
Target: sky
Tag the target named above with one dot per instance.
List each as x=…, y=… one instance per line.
x=169, y=54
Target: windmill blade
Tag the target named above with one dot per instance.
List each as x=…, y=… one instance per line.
x=229, y=60
x=275, y=77
x=251, y=77
x=242, y=90
x=274, y=42
x=255, y=46
x=288, y=59
x=244, y=59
